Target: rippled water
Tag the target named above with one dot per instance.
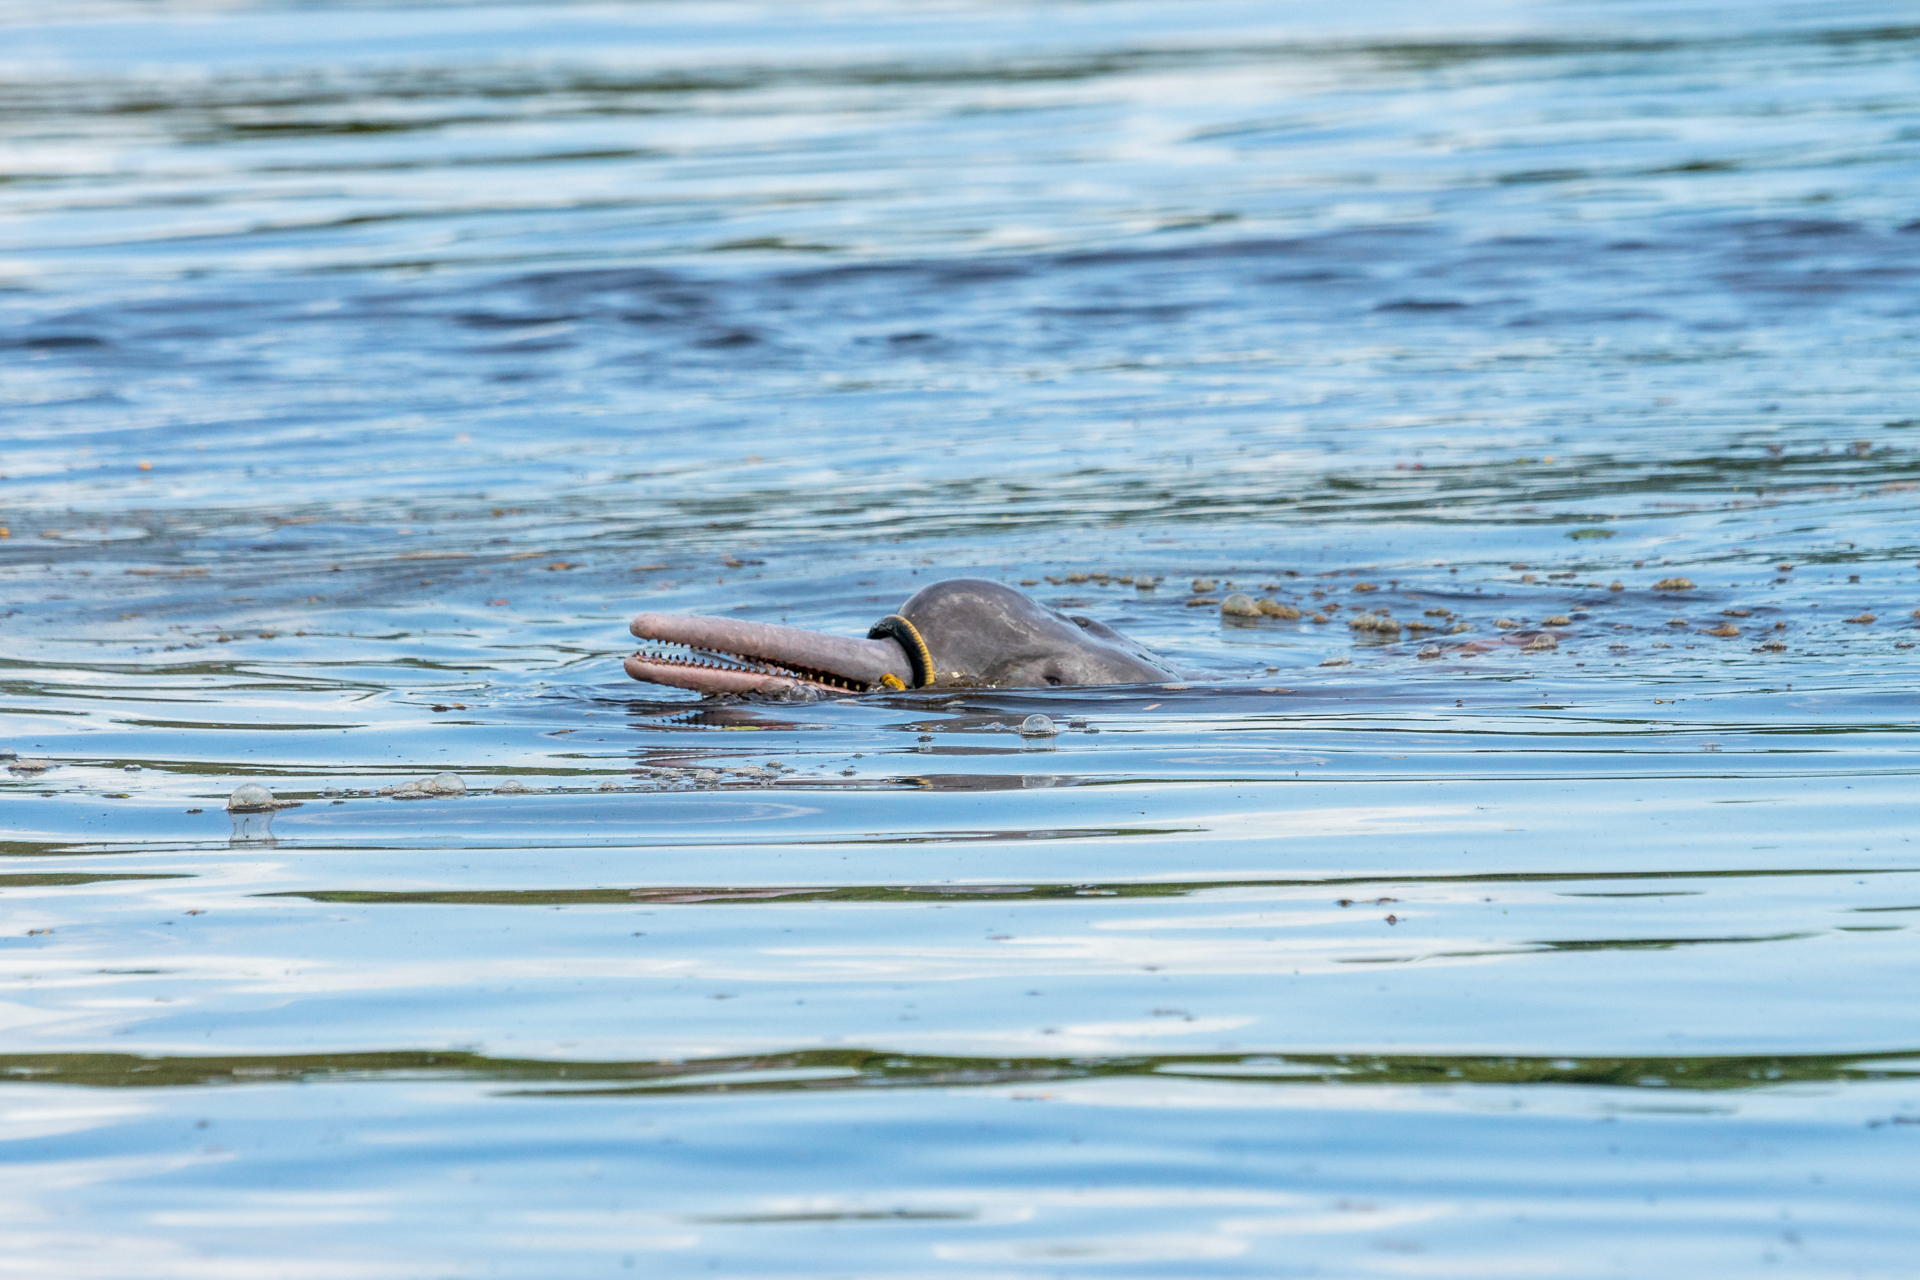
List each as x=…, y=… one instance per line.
x=363, y=367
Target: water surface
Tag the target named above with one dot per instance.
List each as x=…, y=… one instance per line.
x=363, y=367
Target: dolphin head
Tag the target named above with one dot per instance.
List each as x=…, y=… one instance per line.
x=962, y=633
x=983, y=634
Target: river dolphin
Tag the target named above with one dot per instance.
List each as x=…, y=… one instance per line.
x=963, y=633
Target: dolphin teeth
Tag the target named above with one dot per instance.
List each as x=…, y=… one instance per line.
x=752, y=664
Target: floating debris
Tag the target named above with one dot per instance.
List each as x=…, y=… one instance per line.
x=1557, y=620
x=1736, y=613
x=1274, y=609
x=1459, y=627
x=1038, y=726
x=1724, y=629
x=1616, y=586
x=1336, y=662
x=1505, y=624
x=1365, y=586
x=1545, y=640
x=1239, y=605
x=1373, y=622
x=1863, y=619
x=1202, y=585
x=1201, y=601
x=1431, y=651
x=1674, y=584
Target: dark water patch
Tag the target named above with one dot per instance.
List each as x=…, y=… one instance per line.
x=857, y=1068
x=49, y=879
x=55, y=342
x=1119, y=890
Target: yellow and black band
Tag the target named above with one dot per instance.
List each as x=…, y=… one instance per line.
x=898, y=629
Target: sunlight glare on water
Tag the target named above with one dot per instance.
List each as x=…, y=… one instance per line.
x=1503, y=415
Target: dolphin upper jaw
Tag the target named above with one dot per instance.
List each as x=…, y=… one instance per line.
x=731, y=655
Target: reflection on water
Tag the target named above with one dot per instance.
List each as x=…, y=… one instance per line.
x=1528, y=891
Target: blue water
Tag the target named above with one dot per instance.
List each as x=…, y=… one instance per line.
x=363, y=367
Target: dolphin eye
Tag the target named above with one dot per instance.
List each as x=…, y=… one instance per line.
x=1050, y=678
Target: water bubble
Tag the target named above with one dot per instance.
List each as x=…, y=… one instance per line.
x=1037, y=726
x=1239, y=605
x=249, y=797
x=442, y=784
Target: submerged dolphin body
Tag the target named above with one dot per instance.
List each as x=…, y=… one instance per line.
x=962, y=633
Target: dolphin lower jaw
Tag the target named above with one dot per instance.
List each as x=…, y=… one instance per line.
x=729, y=655
x=732, y=673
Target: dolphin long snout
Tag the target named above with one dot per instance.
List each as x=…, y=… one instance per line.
x=732, y=655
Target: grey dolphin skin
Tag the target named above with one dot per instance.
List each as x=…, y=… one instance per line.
x=962, y=633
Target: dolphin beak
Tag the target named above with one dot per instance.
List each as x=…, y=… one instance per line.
x=731, y=655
